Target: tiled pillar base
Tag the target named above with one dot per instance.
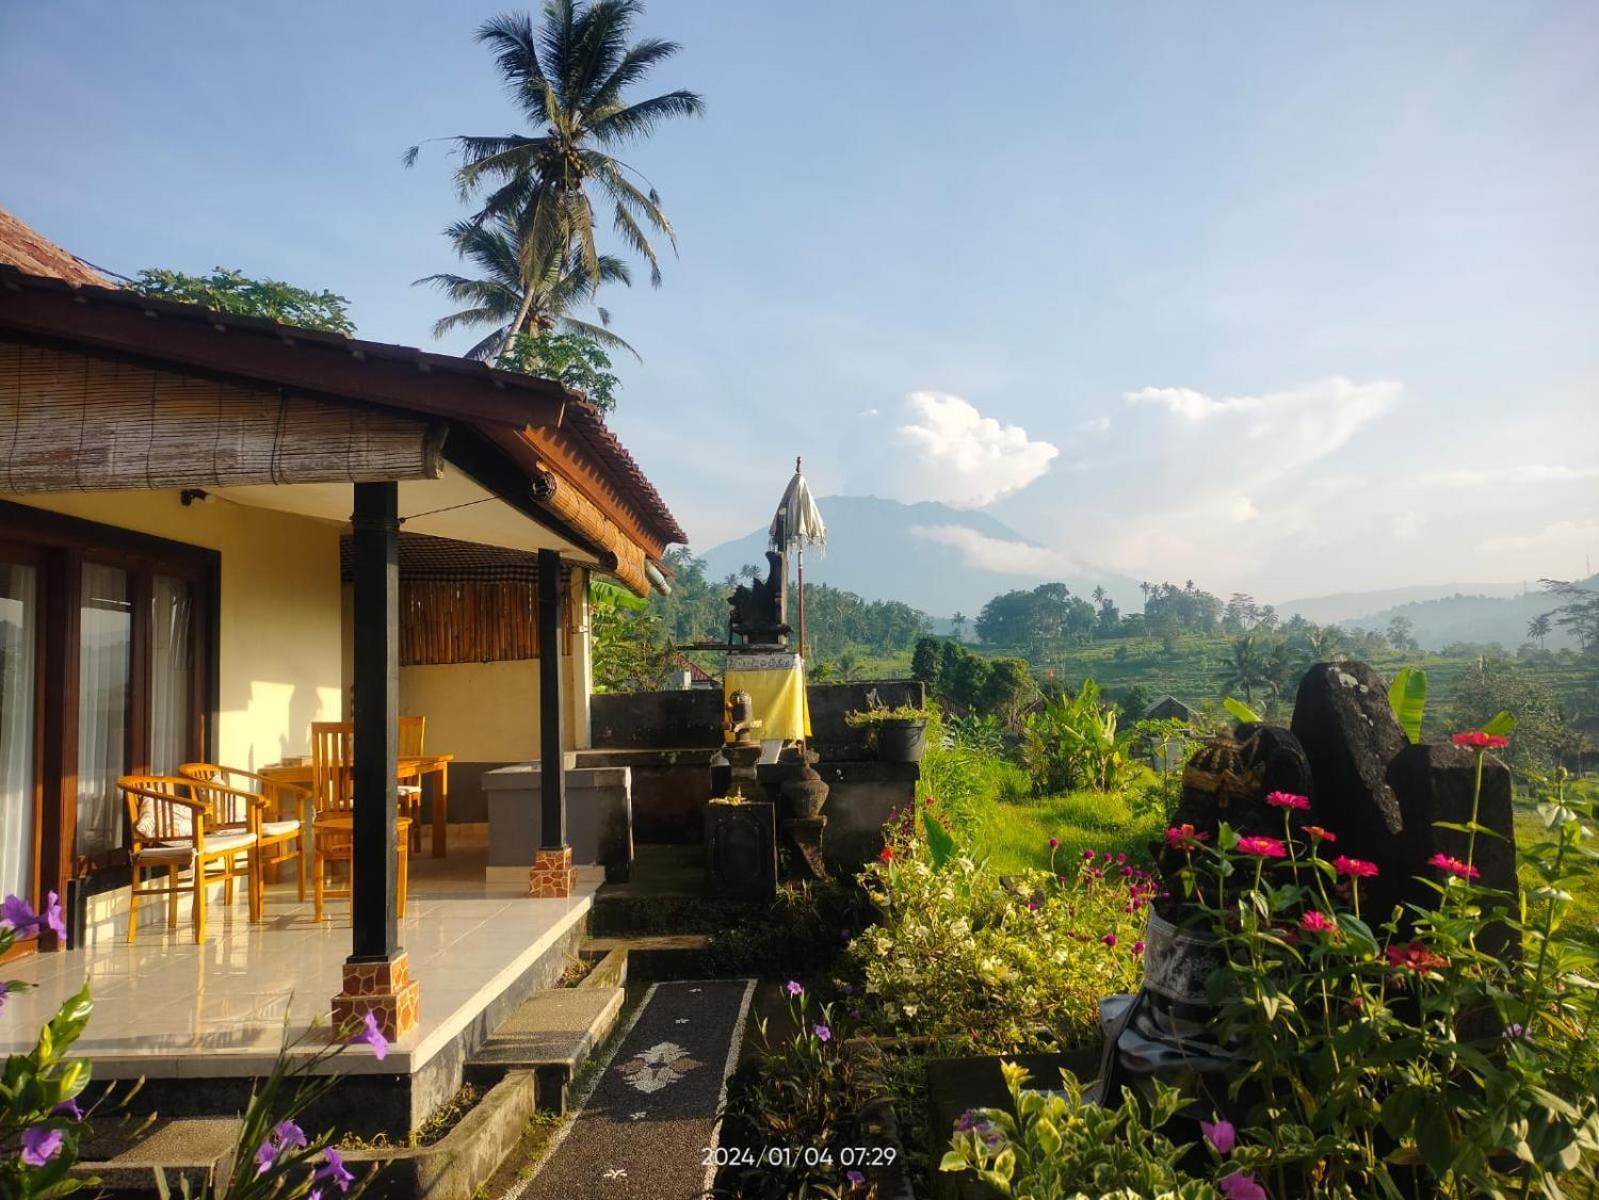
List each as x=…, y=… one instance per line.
x=384, y=989
x=552, y=876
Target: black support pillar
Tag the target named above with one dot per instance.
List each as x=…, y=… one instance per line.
x=377, y=702
x=552, y=756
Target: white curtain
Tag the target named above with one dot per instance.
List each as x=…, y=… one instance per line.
x=171, y=674
x=106, y=639
x=19, y=615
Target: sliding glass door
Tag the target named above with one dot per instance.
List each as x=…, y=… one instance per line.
x=105, y=653
x=19, y=644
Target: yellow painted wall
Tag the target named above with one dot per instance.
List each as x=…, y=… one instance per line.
x=479, y=712
x=279, y=638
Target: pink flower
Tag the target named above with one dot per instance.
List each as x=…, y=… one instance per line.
x=1289, y=800
x=823, y=1033
x=1454, y=866
x=888, y=854
x=1184, y=837
x=1318, y=834
x=1088, y=856
x=1414, y=957
x=1138, y=948
x=1262, y=847
x=1054, y=843
x=1357, y=867
x=1239, y=1186
x=1221, y=1135
x=1477, y=740
x=1316, y=921
x=1109, y=939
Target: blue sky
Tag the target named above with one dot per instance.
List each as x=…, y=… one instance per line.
x=1287, y=298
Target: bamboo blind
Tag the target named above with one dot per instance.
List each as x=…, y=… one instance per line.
x=580, y=512
x=457, y=621
x=69, y=422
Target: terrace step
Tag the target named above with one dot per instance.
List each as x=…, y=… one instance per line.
x=666, y=893
x=551, y=1034
x=652, y=958
x=198, y=1150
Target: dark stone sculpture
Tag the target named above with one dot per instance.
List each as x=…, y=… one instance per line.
x=760, y=607
x=1350, y=734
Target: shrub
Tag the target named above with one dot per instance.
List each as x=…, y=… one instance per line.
x=962, y=957
x=1073, y=742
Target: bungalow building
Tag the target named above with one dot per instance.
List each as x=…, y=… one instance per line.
x=217, y=530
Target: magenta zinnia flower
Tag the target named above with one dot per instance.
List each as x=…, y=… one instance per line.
x=1222, y=1135
x=1184, y=837
x=1289, y=800
x=1316, y=921
x=1454, y=866
x=1357, y=867
x=1318, y=834
x=1262, y=847
x=1478, y=740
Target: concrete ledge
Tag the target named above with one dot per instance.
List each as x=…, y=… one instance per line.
x=198, y=1151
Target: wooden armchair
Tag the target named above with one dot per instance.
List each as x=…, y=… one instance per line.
x=250, y=799
x=333, y=826
x=168, y=826
x=412, y=734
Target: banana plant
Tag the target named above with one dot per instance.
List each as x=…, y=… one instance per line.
x=1407, y=696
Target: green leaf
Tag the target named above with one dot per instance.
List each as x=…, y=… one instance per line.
x=940, y=845
x=1407, y=696
x=1242, y=711
x=1433, y=1138
x=1500, y=724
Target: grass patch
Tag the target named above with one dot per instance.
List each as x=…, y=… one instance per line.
x=1015, y=836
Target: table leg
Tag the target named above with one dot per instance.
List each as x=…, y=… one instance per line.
x=441, y=805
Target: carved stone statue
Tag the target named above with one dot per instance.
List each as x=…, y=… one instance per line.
x=760, y=607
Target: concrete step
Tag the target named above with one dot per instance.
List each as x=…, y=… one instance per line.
x=656, y=958
x=124, y=1156
x=551, y=1035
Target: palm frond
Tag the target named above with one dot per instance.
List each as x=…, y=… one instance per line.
x=640, y=120
x=515, y=44
x=485, y=349
x=628, y=228
x=601, y=41
x=556, y=40
x=634, y=66
x=597, y=333
x=469, y=317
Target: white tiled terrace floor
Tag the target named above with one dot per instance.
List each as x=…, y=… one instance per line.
x=165, y=1007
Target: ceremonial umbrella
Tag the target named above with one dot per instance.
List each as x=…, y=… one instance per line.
x=798, y=523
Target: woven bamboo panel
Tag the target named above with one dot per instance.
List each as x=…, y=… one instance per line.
x=69, y=422
x=582, y=513
x=462, y=622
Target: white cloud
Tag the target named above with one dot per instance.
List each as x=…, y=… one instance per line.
x=1288, y=429
x=984, y=553
x=867, y=412
x=1566, y=537
x=964, y=458
x=1243, y=509
x=1099, y=426
x=1525, y=473
x=1407, y=526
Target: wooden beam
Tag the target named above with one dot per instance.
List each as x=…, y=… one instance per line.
x=375, y=537
x=552, y=751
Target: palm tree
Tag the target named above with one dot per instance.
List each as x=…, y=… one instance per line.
x=495, y=296
x=1245, y=668
x=1323, y=642
x=1540, y=627
x=570, y=76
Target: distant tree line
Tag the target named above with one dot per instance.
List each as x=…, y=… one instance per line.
x=997, y=687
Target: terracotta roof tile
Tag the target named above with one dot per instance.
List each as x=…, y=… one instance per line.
x=28, y=251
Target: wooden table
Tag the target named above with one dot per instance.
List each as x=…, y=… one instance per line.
x=409, y=769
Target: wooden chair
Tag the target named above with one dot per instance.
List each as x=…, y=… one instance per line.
x=333, y=826
x=273, y=831
x=168, y=824
x=413, y=732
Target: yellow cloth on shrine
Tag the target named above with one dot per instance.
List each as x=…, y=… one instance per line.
x=776, y=684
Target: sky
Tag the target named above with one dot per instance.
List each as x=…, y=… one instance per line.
x=1291, y=299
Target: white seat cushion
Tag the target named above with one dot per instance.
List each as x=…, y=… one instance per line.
x=409, y=789
x=179, y=819
x=183, y=851
x=279, y=828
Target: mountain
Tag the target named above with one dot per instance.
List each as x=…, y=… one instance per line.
x=874, y=551
x=1361, y=606
x=1478, y=619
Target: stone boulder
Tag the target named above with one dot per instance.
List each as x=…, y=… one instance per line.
x=1350, y=736
x=1434, y=783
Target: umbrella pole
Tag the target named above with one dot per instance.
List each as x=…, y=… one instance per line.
x=804, y=652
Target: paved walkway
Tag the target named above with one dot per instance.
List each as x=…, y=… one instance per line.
x=646, y=1129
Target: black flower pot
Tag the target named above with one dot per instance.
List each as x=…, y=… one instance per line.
x=901, y=741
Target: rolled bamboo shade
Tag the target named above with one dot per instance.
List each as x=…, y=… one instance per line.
x=582, y=514
x=69, y=422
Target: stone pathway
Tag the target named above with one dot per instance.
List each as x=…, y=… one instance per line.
x=645, y=1130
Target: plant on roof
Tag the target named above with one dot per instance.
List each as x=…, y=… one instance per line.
x=229, y=291
x=571, y=359
x=570, y=74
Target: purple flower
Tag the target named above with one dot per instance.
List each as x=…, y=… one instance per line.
x=40, y=1145
x=792, y=987
x=265, y=1155
x=1239, y=1186
x=334, y=1171
x=16, y=914
x=1515, y=1031
x=823, y=1033
x=966, y=1122
x=849, y=989
x=2, y=993
x=68, y=1108
x=1222, y=1135
x=289, y=1136
x=372, y=1034
x=855, y=1178
x=52, y=915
